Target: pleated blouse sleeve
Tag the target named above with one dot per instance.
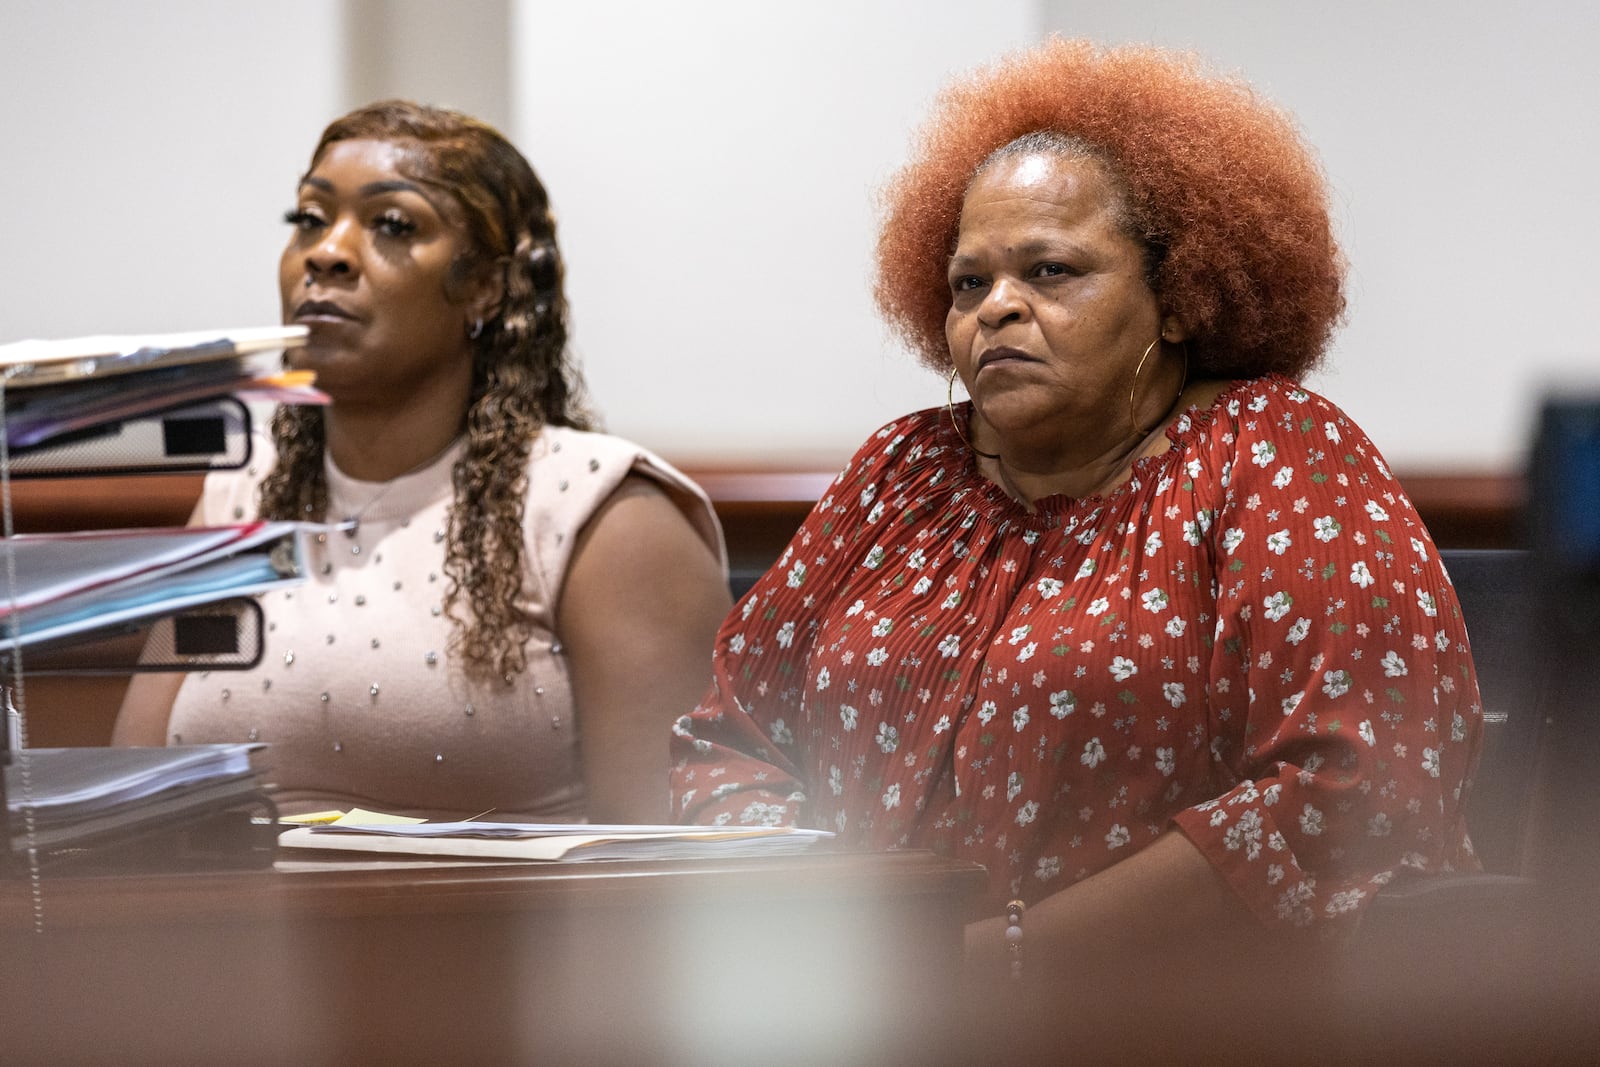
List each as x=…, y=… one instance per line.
x=738, y=757
x=1344, y=712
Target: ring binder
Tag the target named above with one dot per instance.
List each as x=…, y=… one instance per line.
x=189, y=438
x=223, y=635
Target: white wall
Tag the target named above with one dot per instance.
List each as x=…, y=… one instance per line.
x=149, y=151
x=712, y=164
x=1462, y=140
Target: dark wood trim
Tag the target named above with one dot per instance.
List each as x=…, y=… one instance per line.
x=52, y=505
x=1477, y=509
x=1463, y=509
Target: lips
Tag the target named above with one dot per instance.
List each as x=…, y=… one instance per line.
x=993, y=356
x=321, y=311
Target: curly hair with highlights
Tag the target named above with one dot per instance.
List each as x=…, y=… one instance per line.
x=1224, y=196
x=522, y=374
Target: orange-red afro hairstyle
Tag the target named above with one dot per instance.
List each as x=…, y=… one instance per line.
x=1228, y=202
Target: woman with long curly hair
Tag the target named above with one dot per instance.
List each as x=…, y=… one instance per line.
x=509, y=605
x=1144, y=626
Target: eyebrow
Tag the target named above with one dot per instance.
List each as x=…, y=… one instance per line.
x=1029, y=249
x=391, y=185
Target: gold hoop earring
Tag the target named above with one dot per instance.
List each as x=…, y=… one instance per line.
x=950, y=406
x=1133, y=418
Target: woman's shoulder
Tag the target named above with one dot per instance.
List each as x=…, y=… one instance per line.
x=912, y=441
x=573, y=472
x=565, y=453
x=1278, y=398
x=1267, y=409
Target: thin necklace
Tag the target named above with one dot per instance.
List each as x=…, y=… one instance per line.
x=351, y=524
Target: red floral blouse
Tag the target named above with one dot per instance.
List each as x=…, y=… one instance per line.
x=1252, y=641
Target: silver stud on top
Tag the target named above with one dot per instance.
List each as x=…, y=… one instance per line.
x=360, y=600
x=431, y=658
x=288, y=659
x=471, y=711
x=325, y=696
x=238, y=513
x=374, y=642
x=594, y=464
x=374, y=690
x=254, y=734
x=438, y=757
x=338, y=746
x=225, y=695
x=330, y=639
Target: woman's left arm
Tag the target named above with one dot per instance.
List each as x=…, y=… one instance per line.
x=1164, y=902
x=1343, y=715
x=1344, y=718
x=641, y=604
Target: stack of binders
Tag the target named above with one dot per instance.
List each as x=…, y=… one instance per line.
x=94, y=810
x=134, y=600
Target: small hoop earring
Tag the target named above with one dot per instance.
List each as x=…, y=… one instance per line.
x=950, y=406
x=476, y=330
x=1133, y=418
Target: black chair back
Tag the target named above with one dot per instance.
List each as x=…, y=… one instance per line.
x=1495, y=588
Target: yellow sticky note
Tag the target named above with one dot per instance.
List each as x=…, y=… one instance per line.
x=312, y=818
x=359, y=817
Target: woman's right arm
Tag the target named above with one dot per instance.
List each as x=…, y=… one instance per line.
x=147, y=705
x=146, y=709
x=733, y=756
x=740, y=757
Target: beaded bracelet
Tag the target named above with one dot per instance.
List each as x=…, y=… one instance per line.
x=1014, y=912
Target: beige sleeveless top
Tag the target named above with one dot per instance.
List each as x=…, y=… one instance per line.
x=357, y=695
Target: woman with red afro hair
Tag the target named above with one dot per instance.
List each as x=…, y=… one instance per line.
x=1144, y=627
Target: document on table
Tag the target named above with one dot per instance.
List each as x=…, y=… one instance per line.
x=553, y=841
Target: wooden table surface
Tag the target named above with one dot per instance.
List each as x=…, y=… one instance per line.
x=816, y=958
